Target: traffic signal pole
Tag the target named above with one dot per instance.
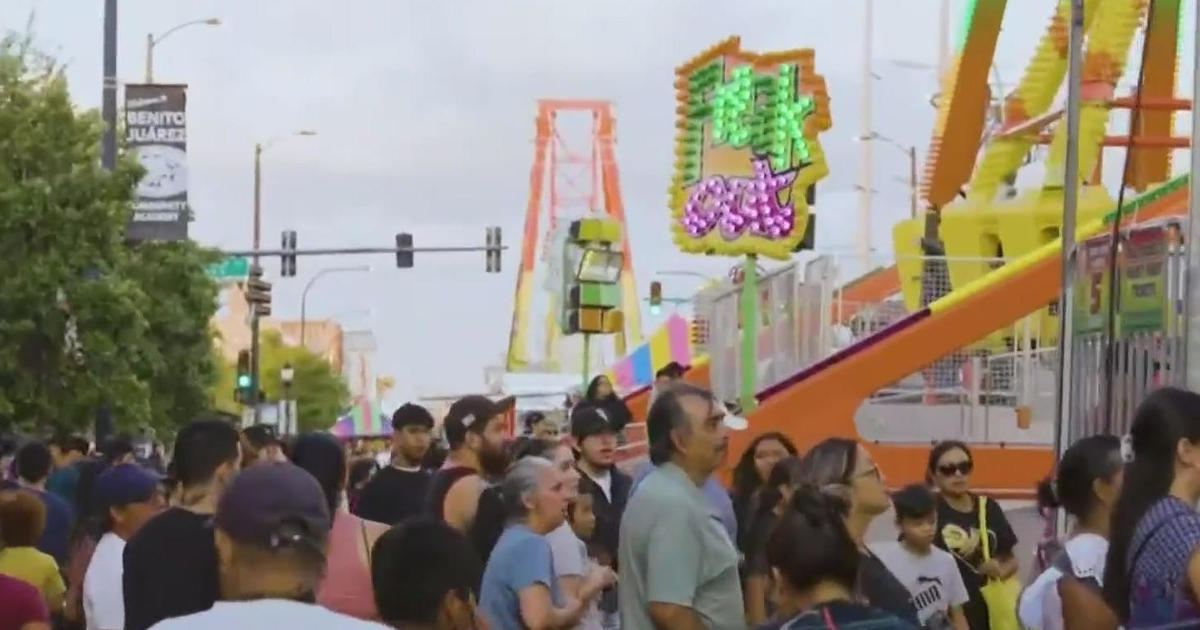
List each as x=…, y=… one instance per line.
x=254, y=358
x=261, y=304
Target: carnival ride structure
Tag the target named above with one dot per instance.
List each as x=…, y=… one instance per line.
x=959, y=241
x=570, y=179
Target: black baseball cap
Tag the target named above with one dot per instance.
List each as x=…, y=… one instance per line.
x=588, y=420
x=260, y=435
x=410, y=414
x=471, y=413
x=274, y=506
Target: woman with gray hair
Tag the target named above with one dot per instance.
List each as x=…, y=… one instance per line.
x=843, y=471
x=520, y=589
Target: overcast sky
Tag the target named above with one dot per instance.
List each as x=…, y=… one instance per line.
x=425, y=118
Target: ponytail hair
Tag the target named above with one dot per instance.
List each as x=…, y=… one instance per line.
x=828, y=552
x=1164, y=418
x=1091, y=458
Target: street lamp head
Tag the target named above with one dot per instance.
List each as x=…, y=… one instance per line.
x=287, y=374
x=305, y=132
x=213, y=21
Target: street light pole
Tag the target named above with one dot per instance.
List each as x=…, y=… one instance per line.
x=309, y=285
x=911, y=152
x=152, y=41
x=259, y=147
x=286, y=375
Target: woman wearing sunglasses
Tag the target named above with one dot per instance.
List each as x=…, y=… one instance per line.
x=950, y=467
x=843, y=471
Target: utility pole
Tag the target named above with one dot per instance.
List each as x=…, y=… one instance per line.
x=865, y=174
x=108, y=153
x=1191, y=311
x=912, y=181
x=102, y=423
x=943, y=39
x=1062, y=426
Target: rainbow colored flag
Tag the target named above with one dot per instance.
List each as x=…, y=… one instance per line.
x=671, y=342
x=365, y=419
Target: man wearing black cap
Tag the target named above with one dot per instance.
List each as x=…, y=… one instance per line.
x=399, y=491
x=596, y=441
x=271, y=529
x=261, y=445
x=474, y=428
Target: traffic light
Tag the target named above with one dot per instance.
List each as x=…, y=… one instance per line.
x=258, y=292
x=287, y=261
x=404, y=255
x=493, y=250
x=655, y=297
x=241, y=390
x=592, y=263
x=699, y=334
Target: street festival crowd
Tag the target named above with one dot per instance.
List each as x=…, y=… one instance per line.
x=245, y=530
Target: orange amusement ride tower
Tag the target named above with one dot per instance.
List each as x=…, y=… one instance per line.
x=571, y=178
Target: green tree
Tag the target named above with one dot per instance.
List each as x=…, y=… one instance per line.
x=85, y=320
x=321, y=393
x=180, y=302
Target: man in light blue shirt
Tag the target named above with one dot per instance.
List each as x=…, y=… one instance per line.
x=717, y=495
x=678, y=564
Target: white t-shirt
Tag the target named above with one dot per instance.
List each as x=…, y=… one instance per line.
x=103, y=599
x=1040, y=607
x=932, y=579
x=266, y=613
x=604, y=480
x=570, y=557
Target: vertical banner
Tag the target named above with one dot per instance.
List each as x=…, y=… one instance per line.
x=156, y=132
x=1142, y=271
x=1092, y=287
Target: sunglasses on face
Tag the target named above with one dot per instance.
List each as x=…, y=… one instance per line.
x=962, y=468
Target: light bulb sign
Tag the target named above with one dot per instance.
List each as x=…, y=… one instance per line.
x=747, y=150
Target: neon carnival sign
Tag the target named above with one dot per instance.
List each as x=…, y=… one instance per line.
x=746, y=150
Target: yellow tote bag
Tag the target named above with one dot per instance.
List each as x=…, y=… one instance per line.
x=1000, y=595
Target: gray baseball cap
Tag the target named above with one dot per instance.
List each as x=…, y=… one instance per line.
x=273, y=506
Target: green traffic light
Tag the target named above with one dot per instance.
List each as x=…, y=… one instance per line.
x=243, y=380
x=655, y=309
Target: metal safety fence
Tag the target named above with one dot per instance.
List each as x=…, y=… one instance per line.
x=1128, y=326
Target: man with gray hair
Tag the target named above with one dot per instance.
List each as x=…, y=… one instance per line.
x=678, y=564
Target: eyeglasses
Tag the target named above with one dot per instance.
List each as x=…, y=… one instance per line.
x=963, y=468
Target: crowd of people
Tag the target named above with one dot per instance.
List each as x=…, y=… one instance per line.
x=244, y=529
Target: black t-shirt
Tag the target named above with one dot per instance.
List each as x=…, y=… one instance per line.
x=839, y=616
x=759, y=530
x=393, y=495
x=882, y=590
x=958, y=533
x=170, y=569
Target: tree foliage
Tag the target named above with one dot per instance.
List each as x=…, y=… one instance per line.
x=321, y=393
x=85, y=319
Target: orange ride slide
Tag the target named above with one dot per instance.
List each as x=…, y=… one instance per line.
x=821, y=401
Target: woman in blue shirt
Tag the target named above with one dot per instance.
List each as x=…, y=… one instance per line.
x=520, y=589
x=1152, y=573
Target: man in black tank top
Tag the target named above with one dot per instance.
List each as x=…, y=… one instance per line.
x=474, y=428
